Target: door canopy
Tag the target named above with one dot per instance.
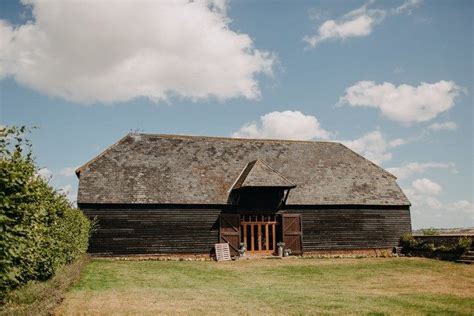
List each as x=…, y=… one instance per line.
x=258, y=174
x=260, y=186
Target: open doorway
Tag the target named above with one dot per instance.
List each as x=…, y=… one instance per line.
x=258, y=233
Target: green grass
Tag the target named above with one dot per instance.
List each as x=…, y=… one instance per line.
x=330, y=286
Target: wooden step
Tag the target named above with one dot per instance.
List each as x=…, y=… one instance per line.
x=467, y=257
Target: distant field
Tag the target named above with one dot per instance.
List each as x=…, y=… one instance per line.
x=446, y=231
x=293, y=286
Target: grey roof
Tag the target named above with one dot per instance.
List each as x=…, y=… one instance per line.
x=146, y=168
x=258, y=173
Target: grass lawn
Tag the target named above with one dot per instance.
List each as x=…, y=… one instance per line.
x=293, y=286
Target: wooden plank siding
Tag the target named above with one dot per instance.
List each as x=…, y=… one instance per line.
x=352, y=228
x=157, y=230
x=130, y=229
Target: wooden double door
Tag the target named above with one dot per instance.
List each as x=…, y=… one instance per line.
x=260, y=234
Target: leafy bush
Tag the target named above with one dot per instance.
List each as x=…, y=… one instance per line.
x=430, y=232
x=464, y=244
x=427, y=246
x=40, y=230
x=410, y=244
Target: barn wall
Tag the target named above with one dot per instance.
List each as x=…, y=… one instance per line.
x=158, y=229
x=353, y=228
x=141, y=230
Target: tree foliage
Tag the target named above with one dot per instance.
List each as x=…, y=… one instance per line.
x=39, y=228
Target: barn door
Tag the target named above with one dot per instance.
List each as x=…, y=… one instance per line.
x=292, y=232
x=229, y=231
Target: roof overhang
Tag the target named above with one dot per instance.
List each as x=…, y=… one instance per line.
x=259, y=174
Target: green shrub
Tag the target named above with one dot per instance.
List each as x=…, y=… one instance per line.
x=443, y=249
x=427, y=246
x=407, y=242
x=464, y=244
x=410, y=244
x=430, y=232
x=40, y=230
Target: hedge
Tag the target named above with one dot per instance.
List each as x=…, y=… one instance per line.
x=411, y=246
x=40, y=231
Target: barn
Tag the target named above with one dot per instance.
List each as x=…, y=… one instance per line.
x=174, y=194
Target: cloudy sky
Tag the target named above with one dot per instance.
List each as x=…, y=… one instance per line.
x=393, y=80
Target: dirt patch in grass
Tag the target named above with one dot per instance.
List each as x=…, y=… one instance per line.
x=40, y=298
x=297, y=286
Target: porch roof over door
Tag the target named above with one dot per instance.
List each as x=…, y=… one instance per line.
x=258, y=173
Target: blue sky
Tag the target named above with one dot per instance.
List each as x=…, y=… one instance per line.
x=392, y=80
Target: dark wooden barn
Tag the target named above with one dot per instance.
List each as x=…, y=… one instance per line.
x=170, y=194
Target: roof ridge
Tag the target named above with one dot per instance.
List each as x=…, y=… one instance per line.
x=237, y=138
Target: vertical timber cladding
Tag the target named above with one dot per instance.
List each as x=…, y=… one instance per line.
x=229, y=231
x=142, y=229
x=292, y=232
x=352, y=227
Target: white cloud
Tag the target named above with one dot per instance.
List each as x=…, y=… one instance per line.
x=406, y=7
x=357, y=23
x=92, y=51
x=374, y=146
x=66, y=189
x=398, y=142
x=67, y=172
x=429, y=211
x=403, y=103
x=423, y=194
x=443, y=126
x=45, y=173
x=355, y=27
x=464, y=208
x=463, y=205
x=68, y=192
x=64, y=172
x=298, y=126
x=426, y=186
x=413, y=168
x=316, y=14
x=284, y=125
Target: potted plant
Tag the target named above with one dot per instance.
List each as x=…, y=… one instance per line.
x=281, y=247
x=242, y=249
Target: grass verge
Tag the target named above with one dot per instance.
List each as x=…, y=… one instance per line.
x=385, y=286
x=40, y=298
